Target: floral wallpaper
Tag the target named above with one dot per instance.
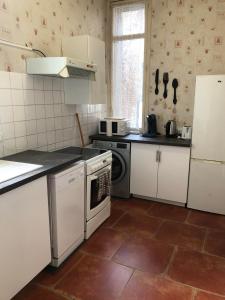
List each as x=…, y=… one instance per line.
x=42, y=23
x=187, y=38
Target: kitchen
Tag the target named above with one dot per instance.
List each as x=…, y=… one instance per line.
x=138, y=213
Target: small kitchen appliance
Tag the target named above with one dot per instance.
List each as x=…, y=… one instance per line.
x=152, y=126
x=171, y=128
x=186, y=132
x=113, y=126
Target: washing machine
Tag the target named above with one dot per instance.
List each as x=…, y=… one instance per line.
x=120, y=166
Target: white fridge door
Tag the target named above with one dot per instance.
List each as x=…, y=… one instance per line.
x=208, y=138
x=207, y=186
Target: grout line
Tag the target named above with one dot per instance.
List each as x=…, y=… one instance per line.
x=194, y=294
x=204, y=241
x=187, y=217
x=175, y=249
x=56, y=292
x=133, y=271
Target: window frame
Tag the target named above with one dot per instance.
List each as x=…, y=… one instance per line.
x=112, y=4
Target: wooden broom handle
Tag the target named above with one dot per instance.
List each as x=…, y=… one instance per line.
x=80, y=130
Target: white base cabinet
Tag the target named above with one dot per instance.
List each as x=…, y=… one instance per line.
x=24, y=235
x=160, y=172
x=144, y=170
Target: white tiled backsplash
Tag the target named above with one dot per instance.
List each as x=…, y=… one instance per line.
x=33, y=114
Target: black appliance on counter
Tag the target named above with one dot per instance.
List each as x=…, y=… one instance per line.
x=152, y=126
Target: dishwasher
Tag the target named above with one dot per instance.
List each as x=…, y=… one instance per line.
x=66, y=201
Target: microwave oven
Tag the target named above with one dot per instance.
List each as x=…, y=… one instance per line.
x=112, y=126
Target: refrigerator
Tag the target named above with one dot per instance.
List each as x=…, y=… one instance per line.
x=207, y=167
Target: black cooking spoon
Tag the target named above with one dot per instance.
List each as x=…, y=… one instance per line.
x=165, y=81
x=157, y=82
x=175, y=86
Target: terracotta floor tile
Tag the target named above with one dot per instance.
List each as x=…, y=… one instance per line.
x=144, y=287
x=96, y=279
x=215, y=243
x=206, y=296
x=207, y=220
x=170, y=212
x=183, y=235
x=133, y=205
x=105, y=242
x=50, y=276
x=145, y=255
x=138, y=224
x=199, y=270
x=115, y=215
x=32, y=292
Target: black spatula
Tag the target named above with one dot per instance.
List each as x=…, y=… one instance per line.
x=175, y=86
x=157, y=82
x=165, y=81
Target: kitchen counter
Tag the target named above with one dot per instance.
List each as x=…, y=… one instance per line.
x=51, y=162
x=137, y=138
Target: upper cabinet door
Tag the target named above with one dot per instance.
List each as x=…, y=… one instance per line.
x=173, y=173
x=84, y=90
x=144, y=168
x=208, y=127
x=97, y=56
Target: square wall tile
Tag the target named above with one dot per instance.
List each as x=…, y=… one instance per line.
x=28, y=82
x=30, y=112
x=31, y=127
x=20, y=128
x=38, y=83
x=16, y=80
x=5, y=97
x=18, y=113
x=4, y=80
x=6, y=114
x=28, y=96
x=17, y=97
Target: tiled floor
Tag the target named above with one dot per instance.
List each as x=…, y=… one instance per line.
x=144, y=251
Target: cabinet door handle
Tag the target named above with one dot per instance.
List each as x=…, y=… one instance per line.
x=157, y=155
x=160, y=153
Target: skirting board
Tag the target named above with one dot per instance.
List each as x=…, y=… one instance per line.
x=160, y=200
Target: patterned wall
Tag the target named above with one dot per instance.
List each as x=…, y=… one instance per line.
x=187, y=38
x=32, y=110
x=42, y=23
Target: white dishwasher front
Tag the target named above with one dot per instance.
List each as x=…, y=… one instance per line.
x=66, y=190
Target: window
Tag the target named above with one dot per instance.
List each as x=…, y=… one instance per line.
x=128, y=62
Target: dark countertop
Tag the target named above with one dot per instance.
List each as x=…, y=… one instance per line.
x=136, y=138
x=51, y=161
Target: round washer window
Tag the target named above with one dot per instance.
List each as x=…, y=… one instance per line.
x=118, y=167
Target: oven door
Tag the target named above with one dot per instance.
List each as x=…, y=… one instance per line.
x=98, y=191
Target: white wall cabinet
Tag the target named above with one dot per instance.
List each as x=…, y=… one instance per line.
x=24, y=235
x=84, y=90
x=160, y=171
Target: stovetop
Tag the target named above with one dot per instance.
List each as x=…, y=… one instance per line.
x=85, y=153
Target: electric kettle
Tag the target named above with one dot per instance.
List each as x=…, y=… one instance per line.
x=171, y=128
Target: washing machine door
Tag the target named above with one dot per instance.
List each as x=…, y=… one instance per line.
x=118, y=167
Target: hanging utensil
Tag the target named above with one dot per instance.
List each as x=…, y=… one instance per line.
x=165, y=81
x=175, y=86
x=157, y=82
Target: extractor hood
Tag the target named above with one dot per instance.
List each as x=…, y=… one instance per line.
x=60, y=67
